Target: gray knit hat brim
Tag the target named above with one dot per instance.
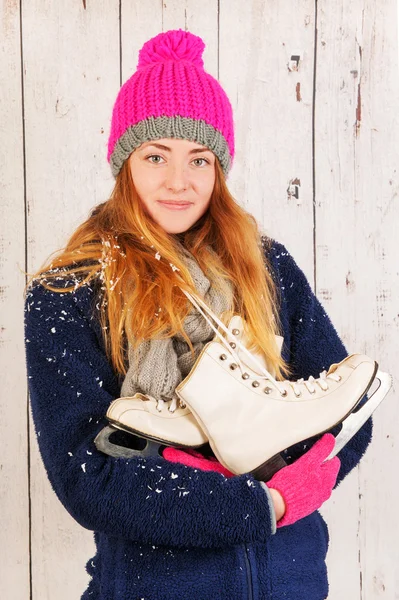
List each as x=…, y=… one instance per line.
x=154, y=128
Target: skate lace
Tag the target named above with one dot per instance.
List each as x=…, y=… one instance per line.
x=171, y=403
x=283, y=387
x=310, y=384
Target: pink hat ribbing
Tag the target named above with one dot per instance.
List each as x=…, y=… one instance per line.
x=170, y=95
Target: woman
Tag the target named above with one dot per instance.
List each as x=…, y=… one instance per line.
x=166, y=530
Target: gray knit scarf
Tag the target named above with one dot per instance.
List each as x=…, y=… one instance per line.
x=162, y=364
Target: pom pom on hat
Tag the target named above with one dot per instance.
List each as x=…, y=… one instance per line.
x=175, y=44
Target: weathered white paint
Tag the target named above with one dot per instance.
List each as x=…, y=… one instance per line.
x=14, y=484
x=273, y=127
x=71, y=75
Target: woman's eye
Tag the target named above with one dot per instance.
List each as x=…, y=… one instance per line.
x=201, y=159
x=154, y=156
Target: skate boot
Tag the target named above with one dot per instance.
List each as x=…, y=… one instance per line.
x=250, y=418
x=158, y=422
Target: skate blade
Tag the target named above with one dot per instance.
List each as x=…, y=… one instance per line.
x=266, y=471
x=356, y=419
x=151, y=448
x=152, y=438
x=104, y=445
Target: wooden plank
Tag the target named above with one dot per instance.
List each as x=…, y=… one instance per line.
x=357, y=222
x=14, y=497
x=272, y=103
x=336, y=57
x=71, y=76
x=188, y=15
x=378, y=191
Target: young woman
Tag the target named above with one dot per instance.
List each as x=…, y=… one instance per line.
x=187, y=529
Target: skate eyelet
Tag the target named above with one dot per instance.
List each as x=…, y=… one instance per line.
x=267, y=390
x=233, y=366
x=284, y=393
x=245, y=376
x=223, y=356
x=235, y=331
x=233, y=344
x=339, y=377
x=255, y=384
x=313, y=392
x=298, y=395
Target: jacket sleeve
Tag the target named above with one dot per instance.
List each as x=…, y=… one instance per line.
x=314, y=346
x=149, y=500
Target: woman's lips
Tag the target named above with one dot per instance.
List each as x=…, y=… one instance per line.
x=175, y=206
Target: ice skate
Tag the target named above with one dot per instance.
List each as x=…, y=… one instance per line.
x=250, y=418
x=160, y=422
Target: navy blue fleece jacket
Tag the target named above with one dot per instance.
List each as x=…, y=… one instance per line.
x=165, y=531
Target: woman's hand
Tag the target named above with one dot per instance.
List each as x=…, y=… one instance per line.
x=308, y=482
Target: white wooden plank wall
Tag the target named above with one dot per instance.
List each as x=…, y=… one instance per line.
x=316, y=163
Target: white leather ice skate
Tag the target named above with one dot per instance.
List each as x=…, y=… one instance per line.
x=250, y=418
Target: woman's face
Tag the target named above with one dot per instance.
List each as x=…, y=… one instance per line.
x=175, y=170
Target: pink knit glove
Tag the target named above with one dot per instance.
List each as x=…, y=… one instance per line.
x=192, y=458
x=308, y=482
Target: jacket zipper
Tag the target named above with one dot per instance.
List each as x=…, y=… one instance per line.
x=249, y=574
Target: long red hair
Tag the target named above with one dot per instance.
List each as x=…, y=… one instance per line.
x=136, y=261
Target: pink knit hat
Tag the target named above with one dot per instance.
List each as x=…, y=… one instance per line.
x=171, y=96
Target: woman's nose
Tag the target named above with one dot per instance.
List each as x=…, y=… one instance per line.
x=176, y=178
